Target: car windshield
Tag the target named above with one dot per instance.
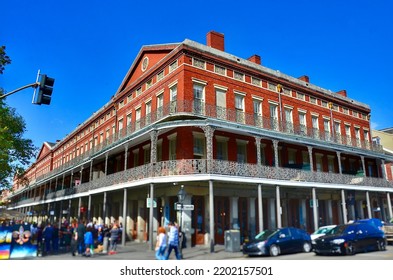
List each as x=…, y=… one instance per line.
x=265, y=234
x=341, y=229
x=323, y=230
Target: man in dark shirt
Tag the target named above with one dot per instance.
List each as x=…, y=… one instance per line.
x=81, y=230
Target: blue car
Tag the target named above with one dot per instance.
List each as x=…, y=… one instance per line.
x=350, y=239
x=279, y=241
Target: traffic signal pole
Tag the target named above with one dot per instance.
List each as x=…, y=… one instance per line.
x=45, y=89
x=34, y=85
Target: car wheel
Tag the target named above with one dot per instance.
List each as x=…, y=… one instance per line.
x=381, y=245
x=307, y=247
x=350, y=249
x=274, y=251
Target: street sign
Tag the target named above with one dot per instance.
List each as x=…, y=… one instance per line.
x=185, y=207
x=148, y=203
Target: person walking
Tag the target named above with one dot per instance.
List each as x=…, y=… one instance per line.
x=161, y=244
x=173, y=241
x=114, y=237
x=48, y=235
x=88, y=238
x=81, y=230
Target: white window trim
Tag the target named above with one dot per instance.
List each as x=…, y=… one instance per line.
x=173, y=84
x=223, y=88
x=202, y=82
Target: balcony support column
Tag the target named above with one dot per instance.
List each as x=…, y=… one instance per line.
x=79, y=208
x=368, y=205
x=123, y=232
x=344, y=207
x=80, y=178
x=258, y=147
x=69, y=211
x=153, y=146
x=211, y=216
x=151, y=217
x=278, y=207
x=89, y=209
x=383, y=169
x=340, y=170
x=315, y=209
x=389, y=206
x=125, y=156
x=275, y=147
x=104, y=209
x=106, y=163
x=209, y=133
x=311, y=159
x=363, y=166
x=91, y=171
x=260, y=208
x=62, y=182
x=72, y=175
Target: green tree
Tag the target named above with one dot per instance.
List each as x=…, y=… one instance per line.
x=15, y=151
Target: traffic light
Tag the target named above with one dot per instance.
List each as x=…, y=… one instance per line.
x=45, y=89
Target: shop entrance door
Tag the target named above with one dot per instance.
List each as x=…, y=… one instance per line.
x=221, y=218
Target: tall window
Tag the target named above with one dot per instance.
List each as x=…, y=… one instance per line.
x=348, y=134
x=172, y=147
x=173, y=98
x=257, y=112
x=319, y=165
x=160, y=103
x=357, y=135
x=146, y=154
x=239, y=107
x=199, y=145
x=337, y=131
x=273, y=116
x=241, y=151
x=199, y=96
x=222, y=148
x=366, y=138
x=148, y=112
x=326, y=125
x=288, y=120
x=315, y=126
x=302, y=123
x=138, y=118
x=129, y=118
x=221, y=103
x=120, y=126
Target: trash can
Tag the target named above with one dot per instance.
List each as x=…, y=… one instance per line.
x=232, y=240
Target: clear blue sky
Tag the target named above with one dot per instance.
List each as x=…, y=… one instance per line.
x=88, y=47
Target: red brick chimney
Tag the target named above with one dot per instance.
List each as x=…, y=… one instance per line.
x=305, y=78
x=342, y=92
x=255, y=58
x=215, y=40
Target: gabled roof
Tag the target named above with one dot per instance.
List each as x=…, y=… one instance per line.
x=160, y=51
x=45, y=149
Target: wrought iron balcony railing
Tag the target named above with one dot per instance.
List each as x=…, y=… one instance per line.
x=202, y=109
x=218, y=167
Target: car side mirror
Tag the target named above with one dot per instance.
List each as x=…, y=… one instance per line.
x=282, y=235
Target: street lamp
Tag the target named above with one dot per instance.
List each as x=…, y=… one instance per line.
x=181, y=195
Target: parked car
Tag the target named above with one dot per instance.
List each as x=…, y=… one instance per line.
x=321, y=231
x=279, y=241
x=350, y=239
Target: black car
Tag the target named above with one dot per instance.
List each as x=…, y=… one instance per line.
x=350, y=239
x=279, y=241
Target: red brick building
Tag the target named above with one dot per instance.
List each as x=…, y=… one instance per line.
x=253, y=148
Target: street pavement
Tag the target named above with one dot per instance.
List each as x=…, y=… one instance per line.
x=140, y=251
